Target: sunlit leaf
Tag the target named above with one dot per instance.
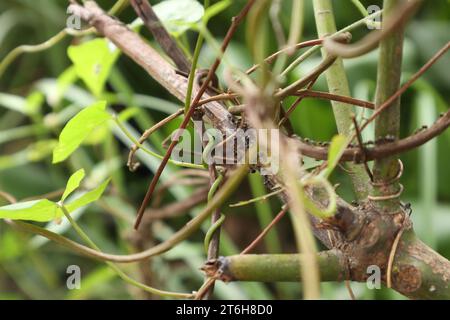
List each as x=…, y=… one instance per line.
x=78, y=128
x=44, y=210
x=88, y=197
x=337, y=147
x=93, y=61
x=37, y=210
x=73, y=183
x=178, y=15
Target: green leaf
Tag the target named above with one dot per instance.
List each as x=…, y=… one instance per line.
x=44, y=210
x=337, y=147
x=88, y=197
x=178, y=15
x=78, y=129
x=73, y=183
x=93, y=61
x=37, y=210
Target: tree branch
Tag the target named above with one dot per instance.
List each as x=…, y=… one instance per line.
x=274, y=267
x=145, y=11
x=360, y=233
x=380, y=151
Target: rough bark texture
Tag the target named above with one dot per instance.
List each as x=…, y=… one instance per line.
x=362, y=235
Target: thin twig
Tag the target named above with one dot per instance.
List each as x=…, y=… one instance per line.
x=297, y=85
x=235, y=22
x=295, y=104
x=408, y=84
x=382, y=150
x=295, y=47
x=392, y=254
x=361, y=147
x=131, y=164
x=370, y=42
x=335, y=97
x=266, y=230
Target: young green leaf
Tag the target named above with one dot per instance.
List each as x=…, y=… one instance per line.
x=93, y=61
x=88, y=197
x=337, y=147
x=44, y=210
x=78, y=128
x=73, y=183
x=178, y=15
x=37, y=210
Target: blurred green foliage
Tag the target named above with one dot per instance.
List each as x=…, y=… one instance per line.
x=39, y=93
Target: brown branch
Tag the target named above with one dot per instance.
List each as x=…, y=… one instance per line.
x=408, y=84
x=334, y=97
x=219, y=97
x=266, y=230
x=370, y=42
x=416, y=269
x=131, y=164
x=340, y=38
x=380, y=151
x=295, y=104
x=361, y=147
x=293, y=48
x=312, y=75
x=235, y=22
x=145, y=11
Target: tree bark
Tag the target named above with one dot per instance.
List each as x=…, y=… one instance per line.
x=363, y=235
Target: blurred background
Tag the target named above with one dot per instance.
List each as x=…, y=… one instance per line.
x=38, y=96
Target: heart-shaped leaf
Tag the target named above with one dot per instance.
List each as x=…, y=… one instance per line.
x=93, y=61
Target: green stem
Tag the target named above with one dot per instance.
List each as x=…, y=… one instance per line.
x=198, y=48
x=280, y=267
x=338, y=84
x=312, y=50
x=16, y=52
x=216, y=225
x=360, y=7
x=306, y=245
x=264, y=213
x=154, y=154
x=222, y=195
x=388, y=122
x=120, y=273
